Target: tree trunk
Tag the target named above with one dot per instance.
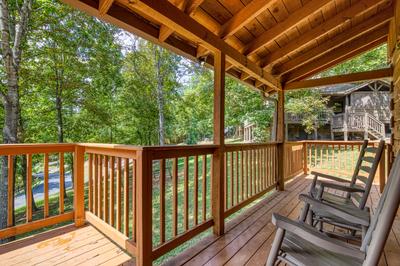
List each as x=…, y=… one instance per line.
x=13, y=32
x=160, y=98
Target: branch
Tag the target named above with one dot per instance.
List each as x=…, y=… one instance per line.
x=5, y=30
x=20, y=29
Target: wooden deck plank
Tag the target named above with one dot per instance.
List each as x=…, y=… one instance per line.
x=225, y=240
x=263, y=228
x=233, y=229
x=66, y=245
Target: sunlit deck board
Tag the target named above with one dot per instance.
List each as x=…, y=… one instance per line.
x=249, y=236
x=64, y=246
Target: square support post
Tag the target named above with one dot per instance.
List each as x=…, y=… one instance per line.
x=144, y=233
x=79, y=194
x=280, y=137
x=219, y=139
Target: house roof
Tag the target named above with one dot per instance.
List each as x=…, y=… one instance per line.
x=267, y=43
x=345, y=89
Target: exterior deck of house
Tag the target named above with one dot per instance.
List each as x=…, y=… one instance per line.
x=247, y=239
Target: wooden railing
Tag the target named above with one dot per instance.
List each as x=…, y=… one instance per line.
x=48, y=212
x=294, y=158
x=340, y=157
x=250, y=172
x=150, y=200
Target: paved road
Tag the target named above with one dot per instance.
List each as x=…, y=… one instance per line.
x=38, y=194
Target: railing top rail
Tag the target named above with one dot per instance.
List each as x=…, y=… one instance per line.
x=34, y=148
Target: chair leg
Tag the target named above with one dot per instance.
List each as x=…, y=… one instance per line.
x=276, y=246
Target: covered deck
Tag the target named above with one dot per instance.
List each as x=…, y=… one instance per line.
x=247, y=239
x=147, y=201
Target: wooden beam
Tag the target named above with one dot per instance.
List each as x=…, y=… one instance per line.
x=104, y=6
x=349, y=35
x=164, y=33
x=338, y=55
x=340, y=79
x=281, y=28
x=324, y=28
x=172, y=17
x=244, y=16
x=217, y=181
x=192, y=6
x=189, y=6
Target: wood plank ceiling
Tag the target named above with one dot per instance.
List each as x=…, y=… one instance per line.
x=268, y=43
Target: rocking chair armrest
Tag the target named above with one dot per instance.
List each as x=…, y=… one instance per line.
x=323, y=185
x=355, y=217
x=331, y=177
x=310, y=234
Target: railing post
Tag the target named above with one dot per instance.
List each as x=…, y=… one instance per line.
x=79, y=186
x=281, y=140
x=305, y=168
x=382, y=170
x=144, y=233
x=217, y=202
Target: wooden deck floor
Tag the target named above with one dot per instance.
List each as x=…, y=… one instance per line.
x=64, y=246
x=247, y=240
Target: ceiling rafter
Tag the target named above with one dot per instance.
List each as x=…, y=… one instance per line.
x=243, y=17
x=340, y=79
x=169, y=15
x=188, y=6
x=338, y=55
x=104, y=6
x=332, y=23
x=354, y=32
x=281, y=28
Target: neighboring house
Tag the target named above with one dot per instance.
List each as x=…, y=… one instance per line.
x=360, y=111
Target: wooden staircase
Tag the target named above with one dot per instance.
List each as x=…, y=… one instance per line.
x=359, y=122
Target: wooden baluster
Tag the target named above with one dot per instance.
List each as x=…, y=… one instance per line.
x=196, y=190
x=241, y=175
x=105, y=192
x=134, y=204
x=28, y=188
x=100, y=187
x=247, y=174
x=186, y=193
x=112, y=191
x=260, y=168
x=90, y=189
x=237, y=177
x=251, y=173
x=79, y=185
x=175, y=197
x=119, y=197
x=226, y=180
x=321, y=152
x=96, y=185
x=340, y=157
x=126, y=197
x=162, y=200
x=268, y=161
x=46, y=185
x=62, y=178
x=204, y=188
x=10, y=190
x=231, y=178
